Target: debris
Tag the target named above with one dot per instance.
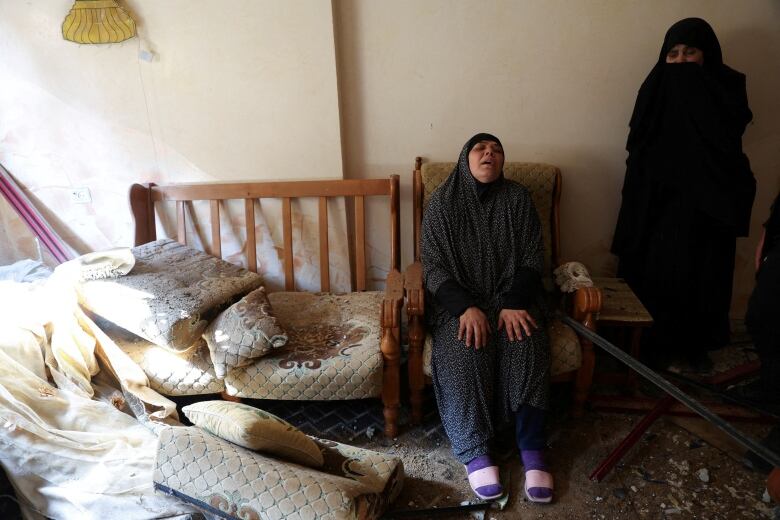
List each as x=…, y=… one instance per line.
x=646, y=475
x=599, y=499
x=370, y=432
x=118, y=400
x=634, y=489
x=695, y=444
x=46, y=391
x=703, y=474
x=673, y=511
x=620, y=492
x=506, y=478
x=766, y=498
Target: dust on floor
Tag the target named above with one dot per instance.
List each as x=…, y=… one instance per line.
x=670, y=473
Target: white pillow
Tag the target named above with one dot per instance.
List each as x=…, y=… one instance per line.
x=255, y=429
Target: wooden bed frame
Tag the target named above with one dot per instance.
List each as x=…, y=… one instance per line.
x=144, y=196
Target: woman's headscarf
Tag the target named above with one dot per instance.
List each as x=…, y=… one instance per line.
x=686, y=136
x=479, y=240
x=694, y=32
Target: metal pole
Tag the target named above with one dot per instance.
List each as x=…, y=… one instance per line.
x=743, y=440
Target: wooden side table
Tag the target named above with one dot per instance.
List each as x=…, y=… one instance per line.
x=621, y=308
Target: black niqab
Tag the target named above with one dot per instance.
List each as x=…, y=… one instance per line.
x=688, y=190
x=686, y=135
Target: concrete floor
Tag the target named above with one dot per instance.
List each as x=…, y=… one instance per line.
x=661, y=477
x=657, y=479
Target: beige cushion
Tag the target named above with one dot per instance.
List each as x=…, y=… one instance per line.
x=539, y=178
x=565, y=351
x=333, y=351
x=245, y=331
x=224, y=478
x=189, y=372
x=170, y=295
x=254, y=429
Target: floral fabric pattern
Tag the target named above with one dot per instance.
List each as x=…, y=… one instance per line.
x=333, y=350
x=206, y=470
x=245, y=331
x=171, y=295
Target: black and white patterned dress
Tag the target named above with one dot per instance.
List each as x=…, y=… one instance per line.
x=480, y=241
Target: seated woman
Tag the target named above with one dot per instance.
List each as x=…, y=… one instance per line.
x=687, y=194
x=482, y=261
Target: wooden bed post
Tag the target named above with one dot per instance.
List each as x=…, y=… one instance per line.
x=142, y=208
x=391, y=351
x=415, y=306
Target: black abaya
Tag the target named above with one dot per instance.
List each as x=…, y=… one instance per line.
x=687, y=194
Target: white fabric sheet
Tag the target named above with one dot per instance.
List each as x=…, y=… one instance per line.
x=69, y=455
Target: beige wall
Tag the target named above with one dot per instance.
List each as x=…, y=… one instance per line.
x=251, y=89
x=555, y=80
x=240, y=91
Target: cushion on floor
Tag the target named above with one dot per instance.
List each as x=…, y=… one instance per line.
x=232, y=481
x=566, y=354
x=332, y=352
x=171, y=294
x=255, y=429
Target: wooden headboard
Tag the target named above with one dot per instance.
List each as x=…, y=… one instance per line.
x=144, y=196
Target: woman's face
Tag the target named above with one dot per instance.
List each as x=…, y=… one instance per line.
x=681, y=53
x=486, y=160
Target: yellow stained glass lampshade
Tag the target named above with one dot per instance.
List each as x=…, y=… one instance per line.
x=97, y=21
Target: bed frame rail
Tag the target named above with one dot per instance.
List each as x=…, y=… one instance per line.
x=144, y=196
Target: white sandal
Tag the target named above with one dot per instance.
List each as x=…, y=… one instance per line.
x=538, y=480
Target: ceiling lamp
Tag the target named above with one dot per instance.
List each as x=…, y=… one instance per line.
x=97, y=21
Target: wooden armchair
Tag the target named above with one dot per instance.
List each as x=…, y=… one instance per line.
x=572, y=357
x=342, y=346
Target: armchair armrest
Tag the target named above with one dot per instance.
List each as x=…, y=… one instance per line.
x=415, y=294
x=585, y=307
x=391, y=350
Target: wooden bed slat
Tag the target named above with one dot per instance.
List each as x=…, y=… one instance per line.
x=324, y=252
x=251, y=248
x=181, y=230
x=289, y=276
x=360, y=242
x=216, y=239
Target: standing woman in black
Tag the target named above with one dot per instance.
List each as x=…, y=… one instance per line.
x=687, y=193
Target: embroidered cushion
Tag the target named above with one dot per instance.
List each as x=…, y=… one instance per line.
x=231, y=481
x=333, y=350
x=254, y=429
x=170, y=295
x=245, y=331
x=171, y=373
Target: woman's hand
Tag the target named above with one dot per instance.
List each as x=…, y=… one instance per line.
x=474, y=327
x=516, y=321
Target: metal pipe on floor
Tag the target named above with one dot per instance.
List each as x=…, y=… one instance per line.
x=628, y=442
x=743, y=440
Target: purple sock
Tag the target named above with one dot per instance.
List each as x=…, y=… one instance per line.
x=477, y=463
x=534, y=459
